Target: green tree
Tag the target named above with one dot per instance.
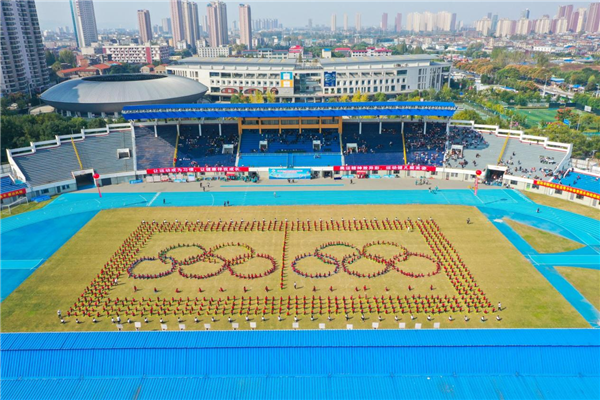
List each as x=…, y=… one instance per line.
x=257, y=97
x=468, y=115
x=542, y=60
x=591, y=84
x=67, y=56
x=56, y=66
x=50, y=57
x=270, y=97
x=380, y=97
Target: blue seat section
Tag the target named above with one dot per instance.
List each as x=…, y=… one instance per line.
x=290, y=149
x=263, y=160
x=425, y=148
x=155, y=152
x=373, y=148
x=579, y=181
x=315, y=160
x=197, y=150
x=7, y=185
x=290, y=142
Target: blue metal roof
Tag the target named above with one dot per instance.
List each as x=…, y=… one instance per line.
x=312, y=364
x=279, y=110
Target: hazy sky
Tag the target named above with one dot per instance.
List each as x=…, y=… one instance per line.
x=122, y=14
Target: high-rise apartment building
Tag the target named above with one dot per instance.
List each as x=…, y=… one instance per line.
x=593, y=18
x=84, y=22
x=217, y=22
x=398, y=22
x=345, y=22
x=246, y=26
x=333, y=22
x=524, y=27
x=384, y=22
x=166, y=26
x=145, y=26
x=177, y=21
x=23, y=60
x=357, y=22
x=484, y=26
x=190, y=22
x=505, y=27
x=565, y=12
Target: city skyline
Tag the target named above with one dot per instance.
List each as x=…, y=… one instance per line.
x=297, y=14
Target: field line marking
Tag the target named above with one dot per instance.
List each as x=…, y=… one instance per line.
x=154, y=198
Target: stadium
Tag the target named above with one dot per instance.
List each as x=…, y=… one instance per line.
x=106, y=95
x=300, y=250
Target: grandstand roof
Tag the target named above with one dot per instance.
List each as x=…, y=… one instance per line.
x=110, y=93
x=367, y=364
x=234, y=61
x=330, y=62
x=276, y=110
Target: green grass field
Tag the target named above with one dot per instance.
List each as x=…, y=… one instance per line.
x=566, y=205
x=586, y=281
x=537, y=115
x=80, y=275
x=542, y=241
x=23, y=208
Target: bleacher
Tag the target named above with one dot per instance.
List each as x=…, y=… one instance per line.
x=522, y=159
x=206, y=150
x=373, y=148
x=579, y=181
x=425, y=148
x=289, y=149
x=48, y=165
x=100, y=152
x=8, y=185
x=155, y=152
x=55, y=164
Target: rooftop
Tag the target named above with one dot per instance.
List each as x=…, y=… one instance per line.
x=368, y=364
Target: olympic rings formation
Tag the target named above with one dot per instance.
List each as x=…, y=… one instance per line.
x=206, y=255
x=356, y=255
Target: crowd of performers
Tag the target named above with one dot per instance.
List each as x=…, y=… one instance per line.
x=96, y=301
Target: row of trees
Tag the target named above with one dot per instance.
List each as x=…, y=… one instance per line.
x=20, y=130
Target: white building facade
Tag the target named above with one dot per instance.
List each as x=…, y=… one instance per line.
x=137, y=54
x=292, y=81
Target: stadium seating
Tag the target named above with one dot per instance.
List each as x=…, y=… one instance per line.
x=100, y=152
x=155, y=152
x=289, y=149
x=373, y=148
x=206, y=150
x=425, y=148
x=48, y=165
x=7, y=185
x=579, y=181
x=56, y=164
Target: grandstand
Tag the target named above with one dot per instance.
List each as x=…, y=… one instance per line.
x=155, y=150
x=579, y=180
x=210, y=147
x=71, y=160
x=10, y=188
x=320, y=136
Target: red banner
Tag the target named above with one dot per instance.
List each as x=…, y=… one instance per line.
x=427, y=168
x=569, y=189
x=14, y=193
x=195, y=169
